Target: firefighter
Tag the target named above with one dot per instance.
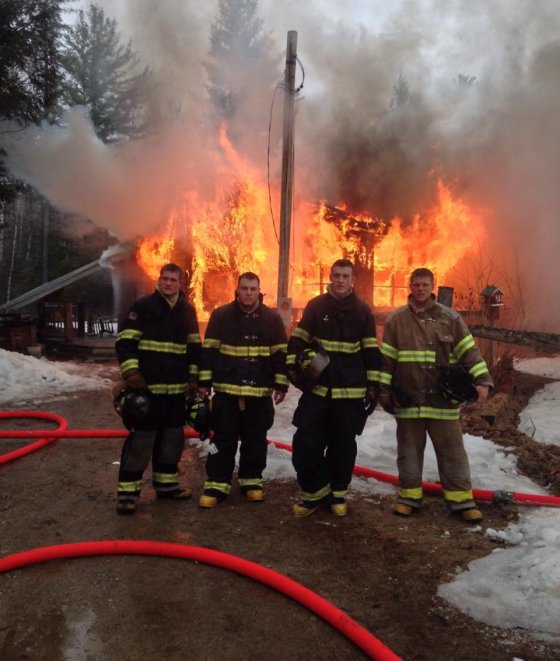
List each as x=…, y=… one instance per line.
x=337, y=394
x=244, y=362
x=420, y=341
x=158, y=348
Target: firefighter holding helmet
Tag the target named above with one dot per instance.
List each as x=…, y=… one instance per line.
x=333, y=358
x=430, y=365
x=158, y=348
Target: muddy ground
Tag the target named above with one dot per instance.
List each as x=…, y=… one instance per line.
x=381, y=570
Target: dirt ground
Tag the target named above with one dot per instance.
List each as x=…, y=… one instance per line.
x=381, y=570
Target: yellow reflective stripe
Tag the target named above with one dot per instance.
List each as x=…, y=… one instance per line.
x=242, y=391
x=282, y=379
x=165, y=478
x=425, y=356
x=386, y=378
x=167, y=388
x=129, y=334
x=478, y=369
x=464, y=345
x=279, y=347
x=244, y=351
x=458, y=496
x=452, y=359
x=291, y=359
x=389, y=351
x=413, y=494
x=130, y=364
x=205, y=375
x=193, y=338
x=322, y=391
x=368, y=342
x=209, y=343
x=193, y=369
x=224, y=487
x=250, y=482
x=372, y=375
x=412, y=412
x=129, y=487
x=348, y=393
x=340, y=347
x=301, y=333
x=162, y=347
x=317, y=495
x=340, y=494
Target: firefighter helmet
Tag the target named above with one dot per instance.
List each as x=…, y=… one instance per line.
x=198, y=415
x=458, y=386
x=136, y=408
x=312, y=363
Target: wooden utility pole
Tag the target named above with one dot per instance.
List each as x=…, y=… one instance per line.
x=287, y=168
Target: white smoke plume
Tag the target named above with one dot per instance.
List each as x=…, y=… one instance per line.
x=477, y=102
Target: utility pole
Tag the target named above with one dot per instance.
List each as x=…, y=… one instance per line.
x=284, y=304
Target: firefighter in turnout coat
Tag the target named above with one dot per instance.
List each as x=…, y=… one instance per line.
x=244, y=362
x=158, y=349
x=421, y=340
x=334, y=405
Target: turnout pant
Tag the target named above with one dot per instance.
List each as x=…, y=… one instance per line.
x=324, y=445
x=163, y=445
x=452, y=461
x=234, y=419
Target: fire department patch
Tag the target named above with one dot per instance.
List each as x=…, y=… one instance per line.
x=133, y=316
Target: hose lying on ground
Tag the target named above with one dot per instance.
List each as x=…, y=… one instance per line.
x=361, y=637
x=50, y=435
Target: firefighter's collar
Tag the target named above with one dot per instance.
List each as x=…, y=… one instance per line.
x=171, y=300
x=416, y=308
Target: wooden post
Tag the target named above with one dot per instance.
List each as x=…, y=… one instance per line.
x=81, y=309
x=287, y=166
x=68, y=322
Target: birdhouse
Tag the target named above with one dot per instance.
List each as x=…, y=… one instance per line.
x=492, y=301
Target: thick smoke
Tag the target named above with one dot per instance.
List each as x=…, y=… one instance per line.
x=394, y=92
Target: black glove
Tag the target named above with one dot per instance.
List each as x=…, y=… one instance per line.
x=370, y=400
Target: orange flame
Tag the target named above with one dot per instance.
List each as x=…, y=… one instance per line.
x=234, y=233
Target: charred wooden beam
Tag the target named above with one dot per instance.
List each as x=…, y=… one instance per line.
x=375, y=228
x=545, y=342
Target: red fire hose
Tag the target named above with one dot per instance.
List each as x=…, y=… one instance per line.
x=50, y=435
x=366, y=641
x=497, y=496
x=31, y=447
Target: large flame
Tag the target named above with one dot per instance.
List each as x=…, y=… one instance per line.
x=217, y=240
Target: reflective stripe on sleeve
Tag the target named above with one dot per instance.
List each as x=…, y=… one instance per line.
x=129, y=334
x=389, y=351
x=130, y=364
x=302, y=334
x=464, y=345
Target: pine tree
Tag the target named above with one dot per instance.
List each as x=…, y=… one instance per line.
x=240, y=55
x=30, y=70
x=30, y=73
x=102, y=74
